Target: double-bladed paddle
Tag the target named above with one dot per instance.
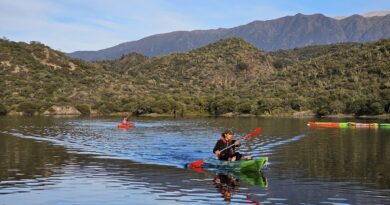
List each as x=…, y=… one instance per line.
x=199, y=163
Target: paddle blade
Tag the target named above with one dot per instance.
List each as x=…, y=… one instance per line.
x=255, y=133
x=196, y=164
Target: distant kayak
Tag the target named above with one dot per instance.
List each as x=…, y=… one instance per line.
x=348, y=124
x=253, y=165
x=124, y=126
x=328, y=124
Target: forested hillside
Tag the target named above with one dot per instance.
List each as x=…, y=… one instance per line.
x=229, y=75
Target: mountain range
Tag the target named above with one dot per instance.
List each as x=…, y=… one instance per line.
x=271, y=35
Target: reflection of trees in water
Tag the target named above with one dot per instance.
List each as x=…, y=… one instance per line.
x=343, y=154
x=26, y=159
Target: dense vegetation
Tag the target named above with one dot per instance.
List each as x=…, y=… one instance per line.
x=227, y=76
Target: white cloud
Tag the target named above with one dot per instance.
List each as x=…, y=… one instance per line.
x=87, y=25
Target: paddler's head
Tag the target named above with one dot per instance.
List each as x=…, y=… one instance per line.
x=228, y=135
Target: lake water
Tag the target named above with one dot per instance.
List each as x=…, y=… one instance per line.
x=46, y=160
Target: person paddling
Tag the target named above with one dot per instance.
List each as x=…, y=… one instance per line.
x=125, y=120
x=230, y=153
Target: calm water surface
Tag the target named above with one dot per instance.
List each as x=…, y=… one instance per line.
x=89, y=161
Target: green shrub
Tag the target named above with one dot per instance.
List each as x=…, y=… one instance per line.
x=27, y=108
x=241, y=66
x=245, y=107
x=84, y=109
x=221, y=106
x=322, y=107
x=376, y=108
x=3, y=110
x=268, y=105
x=104, y=110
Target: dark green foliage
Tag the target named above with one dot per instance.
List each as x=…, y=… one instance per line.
x=245, y=107
x=222, y=105
x=27, y=108
x=322, y=106
x=84, y=109
x=376, y=108
x=298, y=103
x=227, y=76
x=241, y=66
x=3, y=110
x=269, y=105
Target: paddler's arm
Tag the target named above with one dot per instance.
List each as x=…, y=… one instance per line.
x=217, y=153
x=217, y=148
x=236, y=143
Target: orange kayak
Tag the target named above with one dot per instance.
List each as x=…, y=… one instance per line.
x=128, y=125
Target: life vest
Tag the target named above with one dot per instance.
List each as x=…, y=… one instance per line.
x=227, y=143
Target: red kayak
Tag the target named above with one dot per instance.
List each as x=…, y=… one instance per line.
x=125, y=126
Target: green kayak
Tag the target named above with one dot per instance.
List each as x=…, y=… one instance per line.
x=253, y=165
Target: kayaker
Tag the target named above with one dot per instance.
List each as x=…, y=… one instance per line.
x=125, y=120
x=229, y=154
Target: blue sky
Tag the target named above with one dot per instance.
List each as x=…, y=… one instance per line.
x=71, y=25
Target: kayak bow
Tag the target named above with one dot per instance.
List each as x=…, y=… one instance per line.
x=124, y=126
x=253, y=165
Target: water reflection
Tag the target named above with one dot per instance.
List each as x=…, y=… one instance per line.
x=225, y=184
x=89, y=161
x=94, y=179
x=229, y=183
x=19, y=164
x=361, y=155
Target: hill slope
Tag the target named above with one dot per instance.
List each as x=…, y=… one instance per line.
x=34, y=77
x=229, y=75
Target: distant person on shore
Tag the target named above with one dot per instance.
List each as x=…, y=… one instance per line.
x=230, y=153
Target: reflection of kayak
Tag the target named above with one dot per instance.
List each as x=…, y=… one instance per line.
x=384, y=125
x=253, y=178
x=254, y=165
x=128, y=125
x=348, y=124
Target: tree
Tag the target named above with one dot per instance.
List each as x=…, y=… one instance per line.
x=322, y=106
x=3, y=110
x=376, y=108
x=84, y=109
x=222, y=105
x=268, y=105
x=244, y=107
x=27, y=108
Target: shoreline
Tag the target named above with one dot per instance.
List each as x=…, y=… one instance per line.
x=298, y=115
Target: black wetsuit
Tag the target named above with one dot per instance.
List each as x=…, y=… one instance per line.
x=228, y=153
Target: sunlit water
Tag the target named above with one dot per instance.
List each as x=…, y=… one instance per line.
x=90, y=161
